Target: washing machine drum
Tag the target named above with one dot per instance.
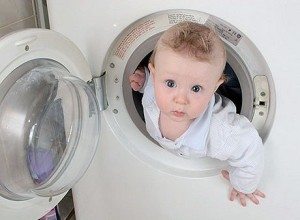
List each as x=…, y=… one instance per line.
x=47, y=118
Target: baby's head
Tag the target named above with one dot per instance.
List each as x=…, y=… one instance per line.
x=194, y=40
x=187, y=66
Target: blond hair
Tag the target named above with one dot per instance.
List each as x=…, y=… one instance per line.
x=196, y=40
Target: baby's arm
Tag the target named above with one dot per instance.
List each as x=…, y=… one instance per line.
x=246, y=166
x=137, y=79
x=233, y=138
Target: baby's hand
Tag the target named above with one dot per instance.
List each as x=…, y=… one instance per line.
x=242, y=196
x=137, y=79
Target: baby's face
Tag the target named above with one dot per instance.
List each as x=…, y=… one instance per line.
x=183, y=86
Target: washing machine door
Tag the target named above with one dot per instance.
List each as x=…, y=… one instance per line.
x=49, y=116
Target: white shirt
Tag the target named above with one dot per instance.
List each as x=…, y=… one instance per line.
x=219, y=133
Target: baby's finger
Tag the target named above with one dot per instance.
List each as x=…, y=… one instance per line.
x=259, y=193
x=132, y=78
x=139, y=72
x=225, y=174
x=137, y=78
x=242, y=199
x=135, y=86
x=233, y=194
x=253, y=198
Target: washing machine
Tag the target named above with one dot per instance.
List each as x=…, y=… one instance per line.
x=73, y=81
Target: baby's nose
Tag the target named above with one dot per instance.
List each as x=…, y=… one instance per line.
x=181, y=98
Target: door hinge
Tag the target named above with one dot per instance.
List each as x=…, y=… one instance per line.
x=98, y=85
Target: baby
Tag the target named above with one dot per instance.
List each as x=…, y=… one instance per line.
x=185, y=115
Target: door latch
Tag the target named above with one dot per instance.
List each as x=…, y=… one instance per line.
x=261, y=101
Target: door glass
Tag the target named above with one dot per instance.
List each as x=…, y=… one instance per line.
x=48, y=119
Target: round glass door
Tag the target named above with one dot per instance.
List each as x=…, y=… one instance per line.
x=50, y=127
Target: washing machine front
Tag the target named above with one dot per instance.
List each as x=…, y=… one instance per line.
x=134, y=178
x=49, y=121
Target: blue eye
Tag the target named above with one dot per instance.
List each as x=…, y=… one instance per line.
x=196, y=88
x=170, y=83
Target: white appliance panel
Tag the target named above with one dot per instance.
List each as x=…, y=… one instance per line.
x=119, y=185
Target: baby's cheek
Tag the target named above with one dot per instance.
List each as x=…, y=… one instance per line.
x=160, y=102
x=160, y=93
x=198, y=108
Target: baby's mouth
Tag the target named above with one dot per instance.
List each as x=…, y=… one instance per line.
x=178, y=114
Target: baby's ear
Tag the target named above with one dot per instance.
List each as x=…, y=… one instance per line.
x=151, y=68
x=220, y=81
